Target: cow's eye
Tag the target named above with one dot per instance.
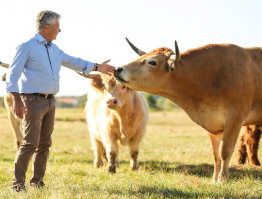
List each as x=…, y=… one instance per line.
x=153, y=63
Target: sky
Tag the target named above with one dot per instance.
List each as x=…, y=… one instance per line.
x=95, y=30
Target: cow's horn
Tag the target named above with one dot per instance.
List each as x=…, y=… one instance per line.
x=91, y=76
x=177, y=52
x=139, y=52
x=4, y=64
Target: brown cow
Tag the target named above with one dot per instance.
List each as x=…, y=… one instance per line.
x=207, y=83
x=14, y=120
x=249, y=143
x=115, y=113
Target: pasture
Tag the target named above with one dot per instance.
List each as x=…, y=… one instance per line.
x=175, y=162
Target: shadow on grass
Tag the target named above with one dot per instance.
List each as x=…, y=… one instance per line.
x=7, y=159
x=206, y=170
x=163, y=192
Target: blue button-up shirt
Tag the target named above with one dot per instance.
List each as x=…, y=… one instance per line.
x=36, y=66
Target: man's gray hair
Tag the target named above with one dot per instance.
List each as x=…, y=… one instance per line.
x=46, y=17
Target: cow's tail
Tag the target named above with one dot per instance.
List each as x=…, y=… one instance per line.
x=4, y=65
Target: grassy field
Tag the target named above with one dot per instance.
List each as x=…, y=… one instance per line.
x=175, y=162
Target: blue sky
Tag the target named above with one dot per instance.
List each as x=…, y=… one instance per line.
x=96, y=30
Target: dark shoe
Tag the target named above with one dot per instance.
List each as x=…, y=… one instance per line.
x=37, y=184
x=19, y=187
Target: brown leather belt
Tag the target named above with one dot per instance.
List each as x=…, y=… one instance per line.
x=44, y=95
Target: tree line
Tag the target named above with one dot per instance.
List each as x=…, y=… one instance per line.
x=155, y=103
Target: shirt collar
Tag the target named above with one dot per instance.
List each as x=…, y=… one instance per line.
x=41, y=39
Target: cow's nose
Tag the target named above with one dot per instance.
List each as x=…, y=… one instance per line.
x=112, y=102
x=118, y=70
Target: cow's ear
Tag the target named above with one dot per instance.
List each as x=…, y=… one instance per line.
x=98, y=83
x=170, y=65
x=4, y=77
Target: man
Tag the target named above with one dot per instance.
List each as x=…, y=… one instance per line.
x=33, y=80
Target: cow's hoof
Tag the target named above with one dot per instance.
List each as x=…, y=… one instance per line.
x=111, y=169
x=135, y=167
x=213, y=181
x=98, y=164
x=255, y=162
x=222, y=179
x=117, y=164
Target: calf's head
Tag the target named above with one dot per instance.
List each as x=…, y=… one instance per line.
x=115, y=96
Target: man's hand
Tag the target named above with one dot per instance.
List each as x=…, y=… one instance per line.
x=106, y=68
x=19, y=108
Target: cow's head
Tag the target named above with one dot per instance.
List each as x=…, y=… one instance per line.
x=115, y=95
x=150, y=70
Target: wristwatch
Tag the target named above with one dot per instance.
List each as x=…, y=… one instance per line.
x=96, y=65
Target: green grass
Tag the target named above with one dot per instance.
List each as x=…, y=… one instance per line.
x=175, y=162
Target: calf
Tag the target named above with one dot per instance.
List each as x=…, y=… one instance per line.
x=115, y=113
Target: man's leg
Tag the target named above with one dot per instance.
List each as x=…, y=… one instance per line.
x=42, y=152
x=32, y=123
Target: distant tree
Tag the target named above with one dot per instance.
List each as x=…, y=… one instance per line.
x=82, y=101
x=161, y=103
x=151, y=100
x=169, y=105
x=63, y=105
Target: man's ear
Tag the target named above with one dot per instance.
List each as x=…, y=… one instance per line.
x=47, y=28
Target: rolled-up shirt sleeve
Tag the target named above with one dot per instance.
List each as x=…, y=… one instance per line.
x=76, y=64
x=16, y=68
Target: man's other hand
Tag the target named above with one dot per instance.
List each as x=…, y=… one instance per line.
x=19, y=108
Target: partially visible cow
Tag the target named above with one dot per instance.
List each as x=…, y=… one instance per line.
x=14, y=120
x=249, y=143
x=115, y=113
x=217, y=85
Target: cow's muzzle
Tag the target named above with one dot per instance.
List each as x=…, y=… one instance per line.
x=117, y=74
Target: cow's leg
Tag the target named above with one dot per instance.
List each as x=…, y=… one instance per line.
x=133, y=145
x=117, y=163
x=97, y=147
x=227, y=145
x=252, y=142
x=15, y=124
x=111, y=152
x=215, y=141
x=104, y=158
x=242, y=150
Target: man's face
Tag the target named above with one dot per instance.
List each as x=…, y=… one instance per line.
x=55, y=29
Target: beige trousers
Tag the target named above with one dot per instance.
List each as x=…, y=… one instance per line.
x=38, y=125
